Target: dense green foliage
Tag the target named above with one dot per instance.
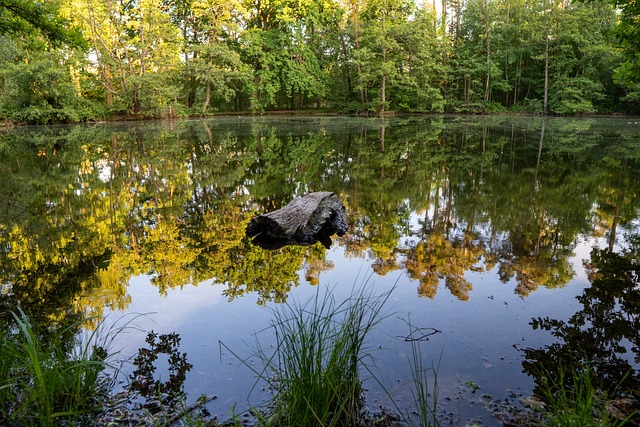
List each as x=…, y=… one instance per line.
x=21, y=18
x=93, y=60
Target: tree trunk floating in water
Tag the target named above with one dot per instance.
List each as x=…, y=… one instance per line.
x=306, y=220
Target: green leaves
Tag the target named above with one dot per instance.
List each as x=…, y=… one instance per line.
x=41, y=91
x=21, y=17
x=186, y=57
x=628, y=34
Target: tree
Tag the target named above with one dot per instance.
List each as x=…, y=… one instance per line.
x=209, y=34
x=477, y=54
x=39, y=51
x=423, y=73
x=18, y=17
x=582, y=57
x=136, y=53
x=381, y=53
x=40, y=89
x=627, y=31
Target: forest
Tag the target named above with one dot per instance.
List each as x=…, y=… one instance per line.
x=67, y=61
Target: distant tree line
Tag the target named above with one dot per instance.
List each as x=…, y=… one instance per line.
x=82, y=60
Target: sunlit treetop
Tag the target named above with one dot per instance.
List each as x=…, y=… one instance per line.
x=22, y=17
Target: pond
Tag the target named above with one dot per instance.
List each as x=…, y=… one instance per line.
x=510, y=243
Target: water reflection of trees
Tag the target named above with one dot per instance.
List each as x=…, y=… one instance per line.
x=88, y=208
x=602, y=332
x=489, y=196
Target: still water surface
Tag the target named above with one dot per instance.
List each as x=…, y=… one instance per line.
x=516, y=239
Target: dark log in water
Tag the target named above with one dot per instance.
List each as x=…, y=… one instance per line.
x=306, y=220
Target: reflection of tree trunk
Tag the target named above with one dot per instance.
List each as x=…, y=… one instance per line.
x=209, y=136
x=436, y=204
x=196, y=198
x=426, y=210
x=382, y=130
x=614, y=226
x=485, y=135
x=544, y=122
x=449, y=208
x=115, y=164
x=540, y=232
x=135, y=193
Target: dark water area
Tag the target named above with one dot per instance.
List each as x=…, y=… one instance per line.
x=514, y=243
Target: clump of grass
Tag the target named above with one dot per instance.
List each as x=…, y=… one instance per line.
x=575, y=401
x=314, y=368
x=48, y=377
x=425, y=401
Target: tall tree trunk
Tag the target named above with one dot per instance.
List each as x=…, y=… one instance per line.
x=487, y=37
x=143, y=65
x=545, y=102
x=253, y=104
x=383, y=88
x=105, y=69
x=345, y=54
x=443, y=23
x=109, y=85
x=435, y=15
x=383, y=84
x=187, y=84
x=207, y=98
x=517, y=79
x=354, y=12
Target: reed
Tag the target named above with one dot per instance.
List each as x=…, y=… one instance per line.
x=575, y=400
x=314, y=367
x=425, y=397
x=47, y=378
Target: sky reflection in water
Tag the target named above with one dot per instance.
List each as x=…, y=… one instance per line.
x=480, y=224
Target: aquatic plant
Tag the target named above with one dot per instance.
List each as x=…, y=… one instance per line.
x=53, y=375
x=313, y=368
x=575, y=400
x=425, y=398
